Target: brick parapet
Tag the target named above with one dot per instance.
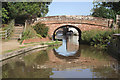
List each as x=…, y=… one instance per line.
x=75, y=19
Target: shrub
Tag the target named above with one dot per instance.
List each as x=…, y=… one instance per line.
x=49, y=37
x=28, y=33
x=97, y=38
x=38, y=35
x=41, y=29
x=87, y=36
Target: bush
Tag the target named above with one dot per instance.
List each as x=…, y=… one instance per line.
x=28, y=33
x=49, y=37
x=41, y=29
x=38, y=35
x=97, y=38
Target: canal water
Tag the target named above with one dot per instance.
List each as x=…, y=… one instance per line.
x=69, y=60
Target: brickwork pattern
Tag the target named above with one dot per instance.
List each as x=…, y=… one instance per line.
x=84, y=23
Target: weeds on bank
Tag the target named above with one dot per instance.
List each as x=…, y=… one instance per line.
x=97, y=38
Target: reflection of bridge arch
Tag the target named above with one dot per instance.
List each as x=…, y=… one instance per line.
x=75, y=56
x=67, y=50
x=67, y=26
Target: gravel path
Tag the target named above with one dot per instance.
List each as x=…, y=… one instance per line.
x=10, y=45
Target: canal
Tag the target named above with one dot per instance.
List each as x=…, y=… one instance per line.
x=69, y=60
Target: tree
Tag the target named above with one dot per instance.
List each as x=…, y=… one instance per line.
x=106, y=9
x=4, y=15
x=26, y=10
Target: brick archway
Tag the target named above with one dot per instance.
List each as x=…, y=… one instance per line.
x=69, y=26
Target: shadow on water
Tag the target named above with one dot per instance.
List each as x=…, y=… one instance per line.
x=114, y=47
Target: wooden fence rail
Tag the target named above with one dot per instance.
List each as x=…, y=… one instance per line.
x=4, y=34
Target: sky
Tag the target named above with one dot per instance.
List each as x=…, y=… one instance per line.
x=70, y=8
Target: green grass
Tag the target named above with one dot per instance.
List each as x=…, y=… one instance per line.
x=44, y=43
x=41, y=43
x=22, y=47
x=52, y=43
x=8, y=51
x=37, y=43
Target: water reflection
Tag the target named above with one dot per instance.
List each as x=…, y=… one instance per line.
x=80, y=62
x=29, y=66
x=70, y=48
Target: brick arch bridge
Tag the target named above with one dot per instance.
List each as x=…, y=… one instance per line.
x=84, y=23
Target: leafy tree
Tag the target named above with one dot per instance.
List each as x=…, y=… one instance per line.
x=26, y=10
x=106, y=9
x=113, y=6
x=4, y=15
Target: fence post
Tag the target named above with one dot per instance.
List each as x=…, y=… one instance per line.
x=25, y=25
x=5, y=34
x=0, y=35
x=118, y=22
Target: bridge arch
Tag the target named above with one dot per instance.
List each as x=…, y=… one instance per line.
x=67, y=26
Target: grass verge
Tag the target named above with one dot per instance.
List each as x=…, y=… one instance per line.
x=52, y=43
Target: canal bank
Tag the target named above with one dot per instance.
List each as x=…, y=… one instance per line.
x=70, y=58
x=92, y=63
x=28, y=48
x=114, y=46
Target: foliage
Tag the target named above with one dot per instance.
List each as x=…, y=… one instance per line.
x=4, y=27
x=97, y=38
x=26, y=10
x=106, y=9
x=41, y=29
x=38, y=35
x=29, y=32
x=4, y=15
x=49, y=37
x=11, y=27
